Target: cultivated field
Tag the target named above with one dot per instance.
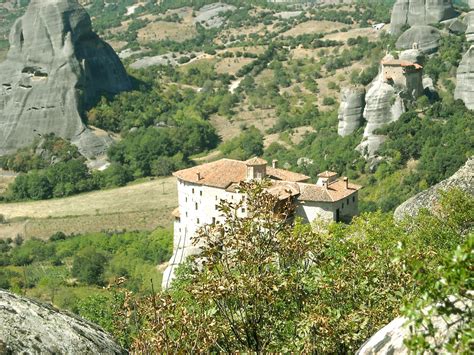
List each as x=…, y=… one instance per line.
x=141, y=206
x=313, y=26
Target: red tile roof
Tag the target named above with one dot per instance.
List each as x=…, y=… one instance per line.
x=327, y=174
x=224, y=172
x=256, y=162
x=401, y=63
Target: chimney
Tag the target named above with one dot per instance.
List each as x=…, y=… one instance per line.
x=274, y=163
x=198, y=175
x=346, y=180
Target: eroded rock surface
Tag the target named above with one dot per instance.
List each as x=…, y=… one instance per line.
x=383, y=104
x=465, y=79
x=351, y=110
x=56, y=66
x=426, y=38
x=420, y=12
x=463, y=179
x=30, y=327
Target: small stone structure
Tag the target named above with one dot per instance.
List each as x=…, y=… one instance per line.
x=405, y=74
x=201, y=188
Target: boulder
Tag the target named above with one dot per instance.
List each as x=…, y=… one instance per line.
x=463, y=179
x=465, y=79
x=55, y=69
x=383, y=104
x=426, y=38
x=419, y=12
x=458, y=26
x=413, y=55
x=351, y=110
x=30, y=327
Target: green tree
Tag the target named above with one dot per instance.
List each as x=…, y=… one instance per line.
x=88, y=266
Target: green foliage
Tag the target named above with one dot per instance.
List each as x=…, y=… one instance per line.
x=245, y=146
x=272, y=286
x=88, y=266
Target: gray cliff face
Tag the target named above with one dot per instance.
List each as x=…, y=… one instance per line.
x=463, y=179
x=426, y=37
x=469, y=20
x=29, y=327
x=56, y=67
x=465, y=79
x=351, y=110
x=383, y=104
x=420, y=12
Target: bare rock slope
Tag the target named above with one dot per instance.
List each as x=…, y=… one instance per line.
x=463, y=179
x=351, y=110
x=29, y=327
x=420, y=12
x=56, y=66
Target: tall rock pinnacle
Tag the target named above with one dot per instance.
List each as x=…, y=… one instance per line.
x=420, y=12
x=55, y=68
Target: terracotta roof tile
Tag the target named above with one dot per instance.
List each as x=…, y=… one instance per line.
x=224, y=172
x=327, y=174
x=401, y=63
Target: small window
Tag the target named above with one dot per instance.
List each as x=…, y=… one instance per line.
x=200, y=193
x=213, y=220
x=243, y=210
x=353, y=199
x=197, y=220
x=343, y=205
x=347, y=201
x=186, y=199
x=186, y=214
x=196, y=205
x=193, y=190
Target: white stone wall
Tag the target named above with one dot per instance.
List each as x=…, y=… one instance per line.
x=327, y=211
x=197, y=208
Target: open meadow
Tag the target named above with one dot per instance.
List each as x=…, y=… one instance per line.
x=140, y=206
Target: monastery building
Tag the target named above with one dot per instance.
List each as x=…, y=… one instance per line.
x=201, y=189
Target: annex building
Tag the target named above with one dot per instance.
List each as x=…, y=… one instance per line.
x=201, y=189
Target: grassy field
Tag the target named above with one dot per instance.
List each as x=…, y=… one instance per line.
x=140, y=206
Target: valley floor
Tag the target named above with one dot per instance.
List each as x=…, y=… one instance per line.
x=139, y=206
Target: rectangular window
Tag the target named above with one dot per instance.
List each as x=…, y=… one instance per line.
x=200, y=193
x=196, y=205
x=243, y=210
x=347, y=201
x=343, y=205
x=186, y=214
x=193, y=190
x=353, y=199
x=185, y=199
x=197, y=221
x=213, y=220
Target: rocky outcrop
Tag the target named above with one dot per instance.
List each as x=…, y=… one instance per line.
x=465, y=79
x=351, y=110
x=463, y=179
x=419, y=12
x=413, y=55
x=55, y=68
x=469, y=19
x=30, y=327
x=426, y=38
x=383, y=104
x=391, y=338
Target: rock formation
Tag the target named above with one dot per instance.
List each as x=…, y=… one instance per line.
x=463, y=179
x=390, y=339
x=427, y=39
x=351, y=110
x=469, y=19
x=383, y=104
x=29, y=327
x=56, y=67
x=413, y=55
x=419, y=12
x=465, y=79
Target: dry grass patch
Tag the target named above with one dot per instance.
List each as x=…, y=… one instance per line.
x=161, y=30
x=368, y=32
x=232, y=65
x=313, y=26
x=228, y=129
x=151, y=195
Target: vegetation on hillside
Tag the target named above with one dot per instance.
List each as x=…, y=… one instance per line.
x=267, y=285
